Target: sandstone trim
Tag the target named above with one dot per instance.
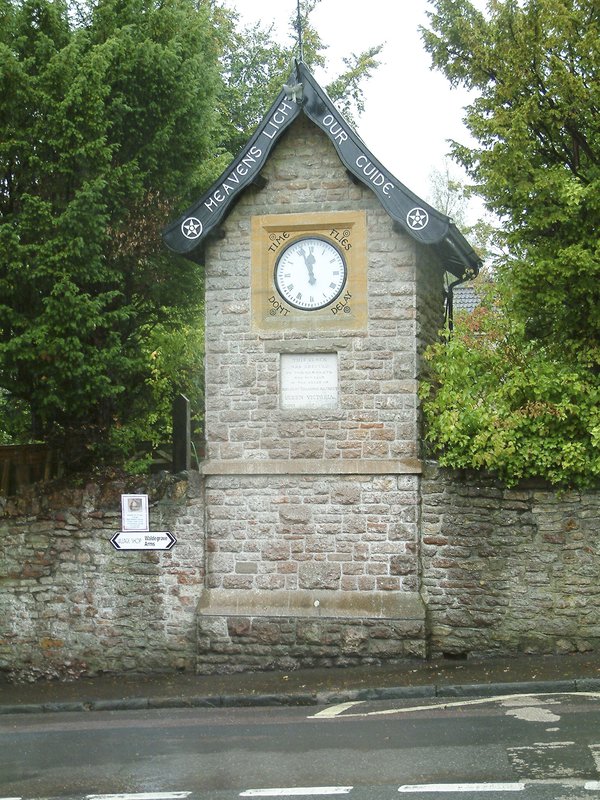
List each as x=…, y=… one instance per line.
x=306, y=466
x=309, y=603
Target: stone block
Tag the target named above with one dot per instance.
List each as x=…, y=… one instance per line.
x=314, y=575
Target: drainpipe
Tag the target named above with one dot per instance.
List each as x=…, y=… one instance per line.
x=449, y=294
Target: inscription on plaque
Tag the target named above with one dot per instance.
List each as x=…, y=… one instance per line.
x=309, y=380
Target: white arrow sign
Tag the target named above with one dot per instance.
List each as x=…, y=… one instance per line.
x=143, y=540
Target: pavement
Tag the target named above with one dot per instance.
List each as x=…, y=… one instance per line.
x=308, y=687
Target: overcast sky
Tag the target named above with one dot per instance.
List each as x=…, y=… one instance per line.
x=411, y=111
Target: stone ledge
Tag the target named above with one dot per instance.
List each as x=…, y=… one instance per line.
x=307, y=466
x=320, y=345
x=309, y=603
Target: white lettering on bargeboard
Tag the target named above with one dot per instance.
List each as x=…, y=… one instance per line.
x=275, y=122
x=373, y=175
x=309, y=380
x=246, y=165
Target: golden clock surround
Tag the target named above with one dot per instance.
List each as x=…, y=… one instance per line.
x=272, y=233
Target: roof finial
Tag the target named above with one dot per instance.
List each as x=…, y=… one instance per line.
x=299, y=26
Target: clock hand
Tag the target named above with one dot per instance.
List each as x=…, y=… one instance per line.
x=309, y=260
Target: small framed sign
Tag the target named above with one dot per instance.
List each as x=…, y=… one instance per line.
x=134, y=512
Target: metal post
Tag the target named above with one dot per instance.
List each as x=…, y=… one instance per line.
x=182, y=434
x=300, y=42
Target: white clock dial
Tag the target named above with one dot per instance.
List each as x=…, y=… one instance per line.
x=310, y=273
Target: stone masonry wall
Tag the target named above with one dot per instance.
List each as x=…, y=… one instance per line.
x=430, y=303
x=245, y=643
x=305, y=501
x=501, y=571
x=377, y=418
x=310, y=537
x=341, y=533
x=70, y=603
x=508, y=570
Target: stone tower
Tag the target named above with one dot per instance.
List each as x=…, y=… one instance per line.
x=324, y=283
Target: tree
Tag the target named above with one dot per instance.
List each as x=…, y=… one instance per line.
x=103, y=123
x=534, y=66
x=256, y=65
x=516, y=389
x=499, y=401
x=449, y=194
x=114, y=116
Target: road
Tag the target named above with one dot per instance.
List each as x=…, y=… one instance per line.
x=530, y=746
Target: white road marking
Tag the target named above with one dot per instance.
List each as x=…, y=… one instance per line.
x=296, y=792
x=595, y=750
x=528, y=700
x=531, y=709
x=333, y=711
x=463, y=787
x=140, y=796
x=540, y=758
x=592, y=786
x=544, y=746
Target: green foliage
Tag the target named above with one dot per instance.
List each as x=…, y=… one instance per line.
x=16, y=420
x=516, y=388
x=114, y=116
x=495, y=400
x=175, y=366
x=256, y=65
x=534, y=67
x=448, y=194
x=346, y=90
x=102, y=126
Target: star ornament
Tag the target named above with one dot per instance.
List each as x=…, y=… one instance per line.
x=191, y=228
x=417, y=219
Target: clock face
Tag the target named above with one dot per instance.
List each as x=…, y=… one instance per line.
x=310, y=273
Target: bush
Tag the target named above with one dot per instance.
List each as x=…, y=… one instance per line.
x=499, y=401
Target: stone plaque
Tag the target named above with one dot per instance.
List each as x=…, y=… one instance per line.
x=309, y=380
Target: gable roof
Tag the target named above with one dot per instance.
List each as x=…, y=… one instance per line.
x=303, y=94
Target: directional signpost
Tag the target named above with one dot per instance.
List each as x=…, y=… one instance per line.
x=143, y=540
x=135, y=533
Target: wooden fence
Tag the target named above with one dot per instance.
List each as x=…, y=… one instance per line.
x=21, y=465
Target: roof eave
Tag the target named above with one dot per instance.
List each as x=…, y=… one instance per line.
x=303, y=94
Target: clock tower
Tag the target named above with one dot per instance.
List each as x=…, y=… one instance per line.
x=324, y=283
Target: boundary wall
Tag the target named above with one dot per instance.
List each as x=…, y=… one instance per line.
x=501, y=571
